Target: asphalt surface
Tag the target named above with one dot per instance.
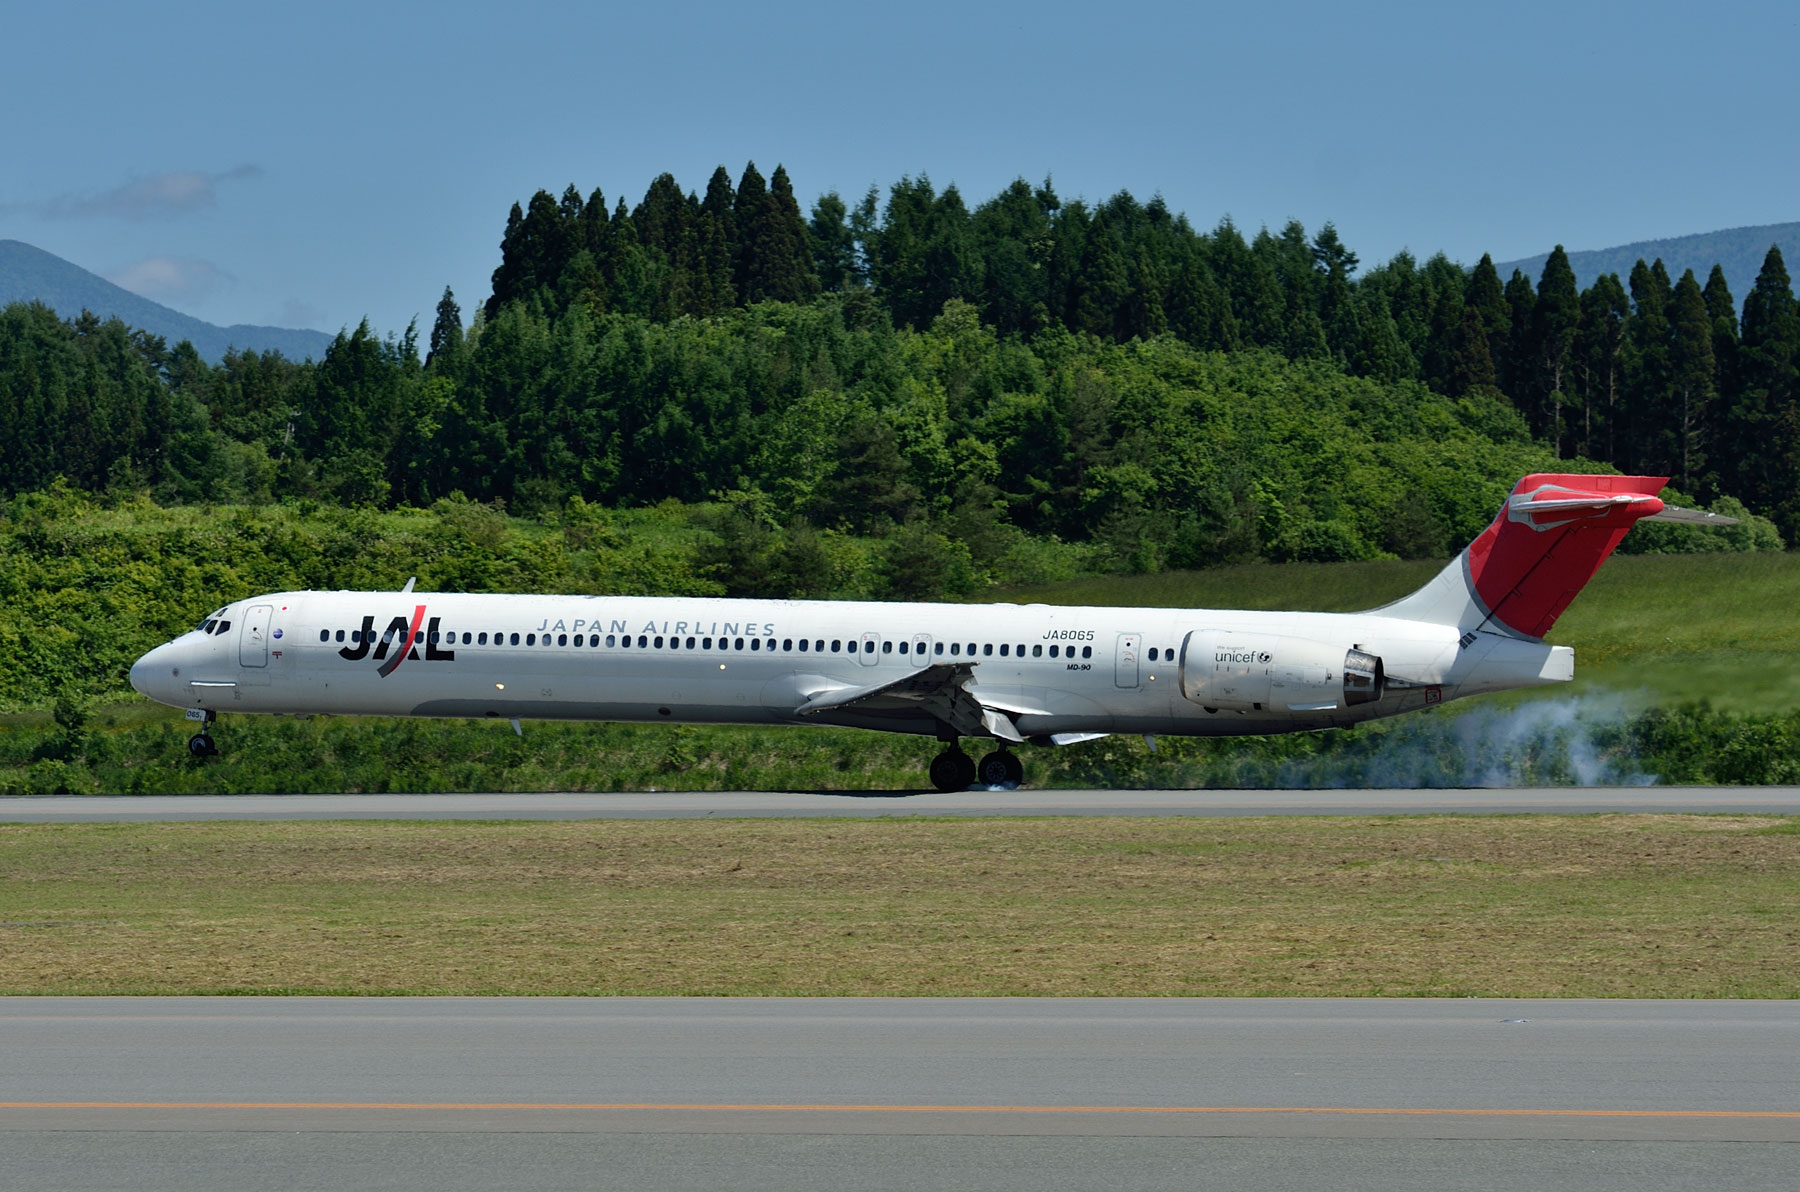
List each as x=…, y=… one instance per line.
x=1765, y=800
x=448, y=1094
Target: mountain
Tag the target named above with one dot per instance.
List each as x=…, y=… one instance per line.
x=1739, y=251
x=29, y=274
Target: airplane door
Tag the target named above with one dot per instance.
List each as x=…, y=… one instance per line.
x=1125, y=660
x=871, y=649
x=253, y=643
x=921, y=648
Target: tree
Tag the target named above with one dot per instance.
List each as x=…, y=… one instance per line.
x=1765, y=425
x=1553, y=321
x=1598, y=360
x=1692, y=381
x=446, y=332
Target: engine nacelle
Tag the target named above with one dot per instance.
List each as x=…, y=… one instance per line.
x=1270, y=672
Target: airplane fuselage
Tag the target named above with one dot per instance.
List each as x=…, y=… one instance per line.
x=1050, y=670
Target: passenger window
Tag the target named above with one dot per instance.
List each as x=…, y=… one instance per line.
x=531, y=639
x=578, y=639
x=787, y=644
x=740, y=643
x=658, y=643
x=971, y=648
x=903, y=646
x=756, y=643
x=987, y=649
x=515, y=639
x=1087, y=651
x=803, y=644
x=938, y=649
x=956, y=647
x=481, y=639
x=324, y=635
x=1037, y=651
x=819, y=646
x=690, y=643
x=1053, y=651
x=887, y=647
x=1003, y=649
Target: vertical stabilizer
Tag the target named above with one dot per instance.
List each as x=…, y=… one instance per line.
x=1544, y=545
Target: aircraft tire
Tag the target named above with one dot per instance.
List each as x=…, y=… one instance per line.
x=952, y=770
x=1000, y=768
x=201, y=745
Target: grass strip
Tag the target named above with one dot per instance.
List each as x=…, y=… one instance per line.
x=1515, y=906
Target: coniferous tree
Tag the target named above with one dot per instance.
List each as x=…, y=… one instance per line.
x=1488, y=297
x=1598, y=362
x=1765, y=426
x=1693, y=385
x=832, y=242
x=1553, y=321
x=446, y=332
x=1514, y=367
x=1472, y=366
x=1721, y=308
x=1646, y=408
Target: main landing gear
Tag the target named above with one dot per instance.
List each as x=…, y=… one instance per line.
x=954, y=770
x=201, y=745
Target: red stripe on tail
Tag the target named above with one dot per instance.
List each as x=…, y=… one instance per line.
x=1549, y=539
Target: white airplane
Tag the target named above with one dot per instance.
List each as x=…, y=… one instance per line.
x=1007, y=673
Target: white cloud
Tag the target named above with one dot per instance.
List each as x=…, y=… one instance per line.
x=170, y=278
x=156, y=196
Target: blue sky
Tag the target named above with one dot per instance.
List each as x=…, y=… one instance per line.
x=315, y=164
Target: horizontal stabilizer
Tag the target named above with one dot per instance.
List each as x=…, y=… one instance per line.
x=1692, y=517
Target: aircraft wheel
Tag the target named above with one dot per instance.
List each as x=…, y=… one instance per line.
x=999, y=768
x=952, y=770
x=201, y=745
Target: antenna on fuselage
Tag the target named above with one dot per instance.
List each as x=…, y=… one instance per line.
x=410, y=581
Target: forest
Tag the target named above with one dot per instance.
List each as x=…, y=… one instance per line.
x=1027, y=369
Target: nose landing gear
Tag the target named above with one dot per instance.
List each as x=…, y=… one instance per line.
x=201, y=744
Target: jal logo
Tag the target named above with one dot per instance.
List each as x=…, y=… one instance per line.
x=401, y=631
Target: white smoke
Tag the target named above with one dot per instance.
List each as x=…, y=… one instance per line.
x=1569, y=741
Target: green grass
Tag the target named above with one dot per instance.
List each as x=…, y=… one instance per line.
x=1601, y=906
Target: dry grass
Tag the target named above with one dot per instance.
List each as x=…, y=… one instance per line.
x=1625, y=906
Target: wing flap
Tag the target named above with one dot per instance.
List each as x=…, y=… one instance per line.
x=940, y=690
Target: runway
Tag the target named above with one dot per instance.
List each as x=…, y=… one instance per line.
x=896, y=1093
x=1752, y=800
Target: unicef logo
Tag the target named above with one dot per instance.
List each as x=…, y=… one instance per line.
x=1264, y=656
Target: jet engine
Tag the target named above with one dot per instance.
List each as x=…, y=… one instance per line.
x=1270, y=672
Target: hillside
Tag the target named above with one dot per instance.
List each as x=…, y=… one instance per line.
x=29, y=274
x=1739, y=251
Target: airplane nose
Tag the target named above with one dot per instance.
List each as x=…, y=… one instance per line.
x=153, y=674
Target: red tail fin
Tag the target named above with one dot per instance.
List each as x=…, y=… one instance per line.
x=1549, y=539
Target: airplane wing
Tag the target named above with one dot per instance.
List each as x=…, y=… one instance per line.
x=940, y=691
